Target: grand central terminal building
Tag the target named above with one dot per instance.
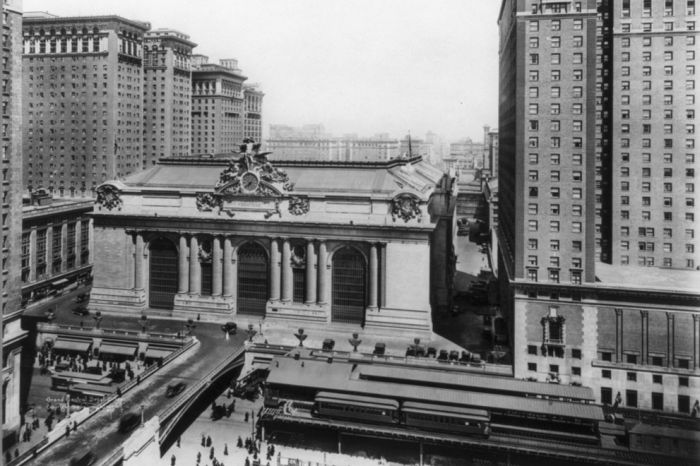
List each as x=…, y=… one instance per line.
x=362, y=243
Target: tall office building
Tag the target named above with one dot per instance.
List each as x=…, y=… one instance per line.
x=83, y=97
x=11, y=231
x=596, y=143
x=167, y=95
x=217, y=106
x=651, y=117
x=253, y=99
x=547, y=140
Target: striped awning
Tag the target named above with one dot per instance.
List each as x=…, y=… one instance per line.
x=157, y=353
x=119, y=350
x=79, y=346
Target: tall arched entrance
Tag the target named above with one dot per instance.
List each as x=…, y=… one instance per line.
x=163, y=274
x=349, y=287
x=252, y=279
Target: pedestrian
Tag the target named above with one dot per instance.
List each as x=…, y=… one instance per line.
x=67, y=431
x=696, y=409
x=211, y=453
x=178, y=442
x=208, y=440
x=199, y=456
x=172, y=460
x=204, y=441
x=225, y=449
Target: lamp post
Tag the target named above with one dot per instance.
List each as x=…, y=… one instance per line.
x=301, y=336
x=98, y=319
x=251, y=333
x=355, y=342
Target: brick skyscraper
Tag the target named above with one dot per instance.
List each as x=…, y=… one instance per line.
x=167, y=95
x=83, y=97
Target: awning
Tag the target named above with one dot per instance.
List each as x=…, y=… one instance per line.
x=79, y=346
x=119, y=350
x=157, y=353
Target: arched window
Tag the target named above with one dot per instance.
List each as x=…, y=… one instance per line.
x=349, y=286
x=163, y=273
x=253, y=285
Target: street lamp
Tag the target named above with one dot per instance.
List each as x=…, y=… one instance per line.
x=355, y=342
x=98, y=319
x=300, y=336
x=251, y=332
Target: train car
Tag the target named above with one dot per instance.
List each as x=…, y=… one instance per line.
x=432, y=417
x=357, y=408
x=87, y=394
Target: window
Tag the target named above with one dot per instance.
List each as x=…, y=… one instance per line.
x=578, y=24
x=554, y=245
x=532, y=244
x=683, y=381
x=631, y=396
x=657, y=378
x=531, y=366
x=606, y=395
x=554, y=209
x=556, y=75
x=576, y=353
x=631, y=359
x=532, y=349
x=534, y=42
x=556, y=25
x=534, y=92
x=576, y=371
x=657, y=401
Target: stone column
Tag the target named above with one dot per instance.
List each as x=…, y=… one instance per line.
x=78, y=243
x=274, y=270
x=645, y=337
x=671, y=336
x=216, y=272
x=138, y=261
x=310, y=273
x=287, y=277
x=183, y=270
x=32, y=255
x=195, y=268
x=382, y=275
x=696, y=340
x=64, y=247
x=322, y=258
x=373, y=276
x=229, y=283
x=618, y=335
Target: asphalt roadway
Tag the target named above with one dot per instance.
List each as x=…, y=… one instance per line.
x=99, y=434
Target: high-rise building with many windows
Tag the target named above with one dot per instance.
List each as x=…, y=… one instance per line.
x=547, y=140
x=167, y=95
x=217, y=106
x=82, y=101
x=596, y=197
x=253, y=100
x=11, y=332
x=651, y=120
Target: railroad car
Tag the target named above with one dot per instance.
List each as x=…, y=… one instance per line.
x=357, y=408
x=432, y=417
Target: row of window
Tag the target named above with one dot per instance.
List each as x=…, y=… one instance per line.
x=647, y=41
x=555, y=192
x=632, y=399
x=667, y=157
x=555, y=209
x=648, y=261
x=668, y=26
x=553, y=276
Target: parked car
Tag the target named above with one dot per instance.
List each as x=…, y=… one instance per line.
x=230, y=328
x=129, y=422
x=81, y=311
x=175, y=389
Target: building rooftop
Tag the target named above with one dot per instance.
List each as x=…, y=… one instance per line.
x=320, y=178
x=53, y=206
x=648, y=278
x=41, y=17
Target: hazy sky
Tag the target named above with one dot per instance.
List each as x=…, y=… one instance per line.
x=356, y=66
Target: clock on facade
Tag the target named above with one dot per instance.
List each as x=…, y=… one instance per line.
x=249, y=182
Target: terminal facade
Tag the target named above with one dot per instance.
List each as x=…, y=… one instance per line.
x=365, y=244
